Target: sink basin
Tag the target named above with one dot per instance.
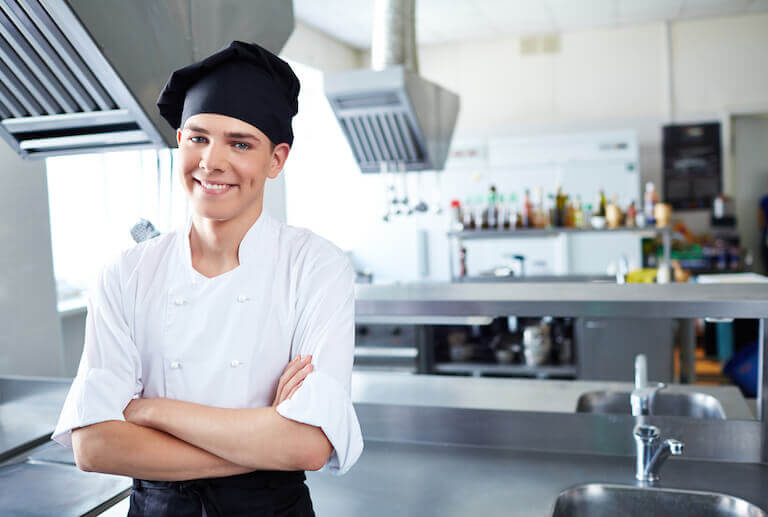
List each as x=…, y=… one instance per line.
x=598, y=500
x=696, y=405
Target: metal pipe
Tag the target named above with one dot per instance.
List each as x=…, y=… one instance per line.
x=394, y=35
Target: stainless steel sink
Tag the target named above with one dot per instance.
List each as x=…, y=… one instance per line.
x=598, y=500
x=696, y=405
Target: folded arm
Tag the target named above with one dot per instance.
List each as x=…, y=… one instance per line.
x=259, y=438
x=127, y=449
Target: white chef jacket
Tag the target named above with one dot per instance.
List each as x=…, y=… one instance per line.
x=158, y=328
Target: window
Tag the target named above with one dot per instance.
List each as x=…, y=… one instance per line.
x=94, y=201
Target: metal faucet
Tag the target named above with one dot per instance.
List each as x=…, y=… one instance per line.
x=651, y=455
x=643, y=394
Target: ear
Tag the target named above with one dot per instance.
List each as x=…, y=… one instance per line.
x=178, y=137
x=279, y=155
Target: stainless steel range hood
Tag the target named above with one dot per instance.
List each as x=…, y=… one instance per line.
x=390, y=115
x=84, y=75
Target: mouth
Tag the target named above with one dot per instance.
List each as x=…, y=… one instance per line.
x=214, y=188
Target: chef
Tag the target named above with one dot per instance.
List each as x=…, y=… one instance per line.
x=217, y=359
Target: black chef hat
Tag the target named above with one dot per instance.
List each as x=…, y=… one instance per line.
x=242, y=80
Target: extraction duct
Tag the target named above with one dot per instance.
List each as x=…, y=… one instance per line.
x=392, y=117
x=81, y=76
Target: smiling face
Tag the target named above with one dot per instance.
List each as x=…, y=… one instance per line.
x=225, y=163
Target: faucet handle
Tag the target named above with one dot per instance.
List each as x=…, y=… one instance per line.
x=641, y=371
x=676, y=447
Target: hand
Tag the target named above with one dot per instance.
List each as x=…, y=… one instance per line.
x=292, y=378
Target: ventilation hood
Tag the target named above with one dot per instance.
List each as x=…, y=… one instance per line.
x=393, y=118
x=82, y=76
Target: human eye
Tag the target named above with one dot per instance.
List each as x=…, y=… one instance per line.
x=242, y=146
x=198, y=139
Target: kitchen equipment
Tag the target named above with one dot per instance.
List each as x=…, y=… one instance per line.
x=613, y=215
x=143, y=230
x=75, y=81
x=503, y=355
x=536, y=344
x=390, y=113
x=598, y=222
x=662, y=212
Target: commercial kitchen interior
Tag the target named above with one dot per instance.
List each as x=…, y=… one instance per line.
x=574, y=214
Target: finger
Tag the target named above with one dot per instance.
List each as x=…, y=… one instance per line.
x=299, y=377
x=295, y=365
x=290, y=370
x=294, y=390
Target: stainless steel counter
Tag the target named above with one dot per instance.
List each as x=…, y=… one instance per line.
x=448, y=480
x=557, y=299
x=29, y=408
x=419, y=460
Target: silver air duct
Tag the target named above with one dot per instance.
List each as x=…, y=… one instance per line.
x=80, y=76
x=392, y=117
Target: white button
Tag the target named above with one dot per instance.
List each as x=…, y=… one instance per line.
x=242, y=298
x=175, y=365
x=235, y=363
x=179, y=300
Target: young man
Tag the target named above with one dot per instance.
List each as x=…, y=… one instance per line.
x=217, y=358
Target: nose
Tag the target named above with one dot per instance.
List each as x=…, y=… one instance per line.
x=213, y=158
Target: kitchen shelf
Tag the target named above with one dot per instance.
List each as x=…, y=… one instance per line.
x=549, y=232
x=534, y=233
x=512, y=370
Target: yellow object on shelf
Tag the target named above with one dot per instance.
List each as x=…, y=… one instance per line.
x=642, y=276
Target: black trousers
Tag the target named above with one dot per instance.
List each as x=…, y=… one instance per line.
x=257, y=494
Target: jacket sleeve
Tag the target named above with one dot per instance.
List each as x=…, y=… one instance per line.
x=325, y=328
x=109, y=375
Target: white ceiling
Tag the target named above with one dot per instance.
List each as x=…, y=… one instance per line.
x=442, y=21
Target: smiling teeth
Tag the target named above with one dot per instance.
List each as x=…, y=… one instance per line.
x=213, y=185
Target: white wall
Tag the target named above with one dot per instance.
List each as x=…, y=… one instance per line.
x=636, y=77
x=30, y=332
x=310, y=47
x=602, y=79
x=720, y=64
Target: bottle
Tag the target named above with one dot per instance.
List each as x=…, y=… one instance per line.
x=602, y=204
x=492, y=210
x=558, y=217
x=587, y=214
x=457, y=219
x=463, y=262
x=650, y=199
x=469, y=215
x=512, y=220
x=539, y=219
x=570, y=212
x=578, y=213
x=501, y=210
x=631, y=215
x=527, y=213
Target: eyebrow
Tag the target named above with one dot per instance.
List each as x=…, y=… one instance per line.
x=241, y=136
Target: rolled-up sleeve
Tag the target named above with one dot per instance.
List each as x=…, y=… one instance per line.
x=325, y=328
x=110, y=368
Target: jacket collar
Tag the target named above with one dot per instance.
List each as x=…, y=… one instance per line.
x=251, y=247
